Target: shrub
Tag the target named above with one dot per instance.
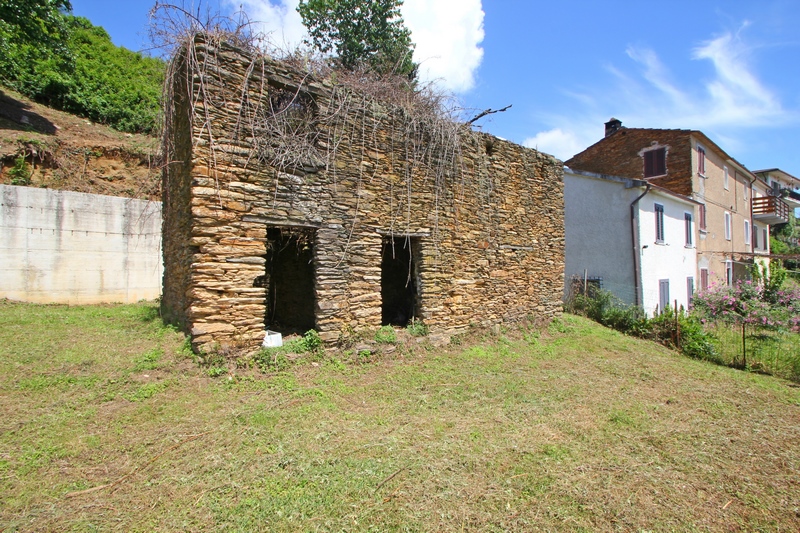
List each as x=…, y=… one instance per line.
x=417, y=328
x=683, y=332
x=386, y=335
x=276, y=359
x=20, y=173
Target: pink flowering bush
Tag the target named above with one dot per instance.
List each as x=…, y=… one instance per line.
x=750, y=303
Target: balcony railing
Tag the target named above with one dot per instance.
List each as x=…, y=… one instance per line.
x=770, y=210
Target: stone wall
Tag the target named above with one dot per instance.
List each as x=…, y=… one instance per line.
x=345, y=179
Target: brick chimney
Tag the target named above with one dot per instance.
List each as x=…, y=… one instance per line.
x=612, y=126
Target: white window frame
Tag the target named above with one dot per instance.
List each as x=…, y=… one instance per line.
x=747, y=232
x=729, y=272
x=725, y=178
x=728, y=232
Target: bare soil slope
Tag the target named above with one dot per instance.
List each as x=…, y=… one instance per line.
x=67, y=152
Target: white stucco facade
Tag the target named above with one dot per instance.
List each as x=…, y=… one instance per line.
x=668, y=266
x=611, y=239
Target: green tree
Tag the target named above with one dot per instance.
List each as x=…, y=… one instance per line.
x=90, y=76
x=34, y=21
x=368, y=32
x=31, y=30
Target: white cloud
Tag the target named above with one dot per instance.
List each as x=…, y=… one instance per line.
x=280, y=20
x=729, y=102
x=447, y=34
x=736, y=94
x=557, y=142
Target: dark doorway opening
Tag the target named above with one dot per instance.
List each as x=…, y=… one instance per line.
x=399, y=280
x=289, y=280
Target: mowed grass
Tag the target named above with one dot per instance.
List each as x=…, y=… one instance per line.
x=108, y=424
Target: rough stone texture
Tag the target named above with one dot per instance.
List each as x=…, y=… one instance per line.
x=485, y=218
x=619, y=154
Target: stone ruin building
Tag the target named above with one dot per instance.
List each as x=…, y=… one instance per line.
x=293, y=203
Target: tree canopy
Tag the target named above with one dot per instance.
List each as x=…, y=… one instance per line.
x=370, y=32
x=67, y=63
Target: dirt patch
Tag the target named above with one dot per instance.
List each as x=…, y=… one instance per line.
x=67, y=152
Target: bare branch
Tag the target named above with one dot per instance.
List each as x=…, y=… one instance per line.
x=487, y=112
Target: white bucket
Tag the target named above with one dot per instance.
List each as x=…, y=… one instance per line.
x=272, y=339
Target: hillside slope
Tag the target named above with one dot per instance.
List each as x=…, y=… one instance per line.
x=67, y=152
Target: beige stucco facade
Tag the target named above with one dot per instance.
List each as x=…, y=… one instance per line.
x=725, y=189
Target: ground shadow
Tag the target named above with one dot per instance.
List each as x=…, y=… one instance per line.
x=16, y=115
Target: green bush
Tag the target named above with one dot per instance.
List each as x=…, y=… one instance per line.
x=89, y=76
x=386, y=335
x=417, y=328
x=21, y=172
x=276, y=359
x=684, y=333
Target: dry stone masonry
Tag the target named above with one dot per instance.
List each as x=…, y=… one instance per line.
x=292, y=203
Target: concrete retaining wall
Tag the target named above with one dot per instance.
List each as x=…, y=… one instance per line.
x=76, y=248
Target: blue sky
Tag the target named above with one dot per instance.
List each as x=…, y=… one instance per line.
x=730, y=68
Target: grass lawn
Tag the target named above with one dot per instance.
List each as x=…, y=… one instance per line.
x=108, y=424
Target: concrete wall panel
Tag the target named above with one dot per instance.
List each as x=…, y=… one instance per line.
x=77, y=248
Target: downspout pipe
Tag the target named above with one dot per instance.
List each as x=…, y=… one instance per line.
x=634, y=241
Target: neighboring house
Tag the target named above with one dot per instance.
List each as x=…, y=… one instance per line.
x=688, y=163
x=630, y=237
x=782, y=184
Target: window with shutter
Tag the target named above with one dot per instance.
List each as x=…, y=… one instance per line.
x=689, y=289
x=663, y=294
x=659, y=211
x=747, y=232
x=687, y=219
x=655, y=162
x=702, y=217
x=701, y=161
x=703, y=279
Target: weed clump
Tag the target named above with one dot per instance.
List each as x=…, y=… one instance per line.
x=278, y=359
x=386, y=335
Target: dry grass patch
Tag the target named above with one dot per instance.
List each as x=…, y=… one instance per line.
x=573, y=428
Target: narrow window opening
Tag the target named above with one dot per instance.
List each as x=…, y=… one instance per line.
x=659, y=211
x=702, y=217
x=289, y=280
x=687, y=218
x=747, y=232
x=399, y=280
x=727, y=226
x=701, y=161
